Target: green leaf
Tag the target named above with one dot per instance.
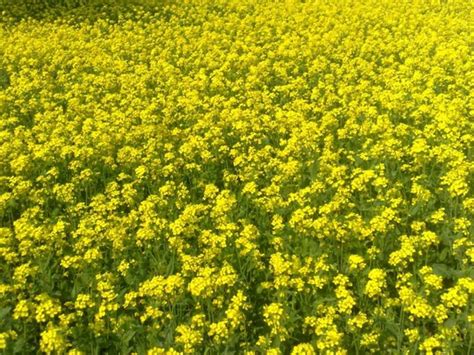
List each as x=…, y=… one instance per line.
x=442, y=270
x=4, y=79
x=4, y=311
x=19, y=346
x=443, y=254
x=449, y=323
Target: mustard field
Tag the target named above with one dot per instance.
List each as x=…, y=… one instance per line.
x=237, y=177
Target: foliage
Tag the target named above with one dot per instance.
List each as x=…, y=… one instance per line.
x=225, y=176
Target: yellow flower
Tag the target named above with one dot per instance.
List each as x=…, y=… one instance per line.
x=274, y=316
x=189, y=338
x=369, y=339
x=210, y=191
x=458, y=295
x=52, y=341
x=46, y=309
x=359, y=320
x=376, y=283
x=438, y=216
x=430, y=279
x=22, y=309
x=412, y=334
x=75, y=352
x=303, y=349
x=218, y=331
x=429, y=344
x=415, y=305
x=356, y=262
x=3, y=340
x=440, y=313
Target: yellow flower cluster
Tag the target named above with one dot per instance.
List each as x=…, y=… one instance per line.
x=376, y=283
x=236, y=176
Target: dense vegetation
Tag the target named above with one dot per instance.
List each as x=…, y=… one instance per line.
x=243, y=176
